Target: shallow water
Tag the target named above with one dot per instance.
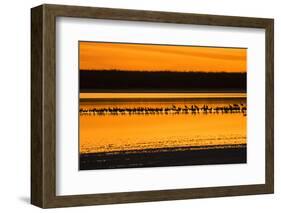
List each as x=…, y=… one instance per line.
x=107, y=133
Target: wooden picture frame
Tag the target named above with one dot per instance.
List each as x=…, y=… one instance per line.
x=43, y=105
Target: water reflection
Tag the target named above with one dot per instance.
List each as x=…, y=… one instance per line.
x=176, y=127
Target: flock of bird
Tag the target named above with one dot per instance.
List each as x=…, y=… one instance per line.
x=193, y=109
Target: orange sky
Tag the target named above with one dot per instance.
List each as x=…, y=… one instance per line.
x=139, y=57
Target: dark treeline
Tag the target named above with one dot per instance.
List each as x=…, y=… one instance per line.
x=160, y=81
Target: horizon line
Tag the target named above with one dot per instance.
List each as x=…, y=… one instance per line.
x=187, y=71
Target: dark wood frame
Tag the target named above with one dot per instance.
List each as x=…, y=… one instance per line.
x=43, y=105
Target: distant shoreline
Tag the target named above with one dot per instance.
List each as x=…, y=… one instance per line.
x=157, y=96
x=113, y=100
x=159, y=91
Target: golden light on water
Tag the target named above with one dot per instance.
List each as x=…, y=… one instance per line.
x=107, y=133
x=117, y=133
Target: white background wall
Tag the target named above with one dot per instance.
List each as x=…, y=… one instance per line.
x=15, y=105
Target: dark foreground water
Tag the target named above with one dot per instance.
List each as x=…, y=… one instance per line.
x=146, y=138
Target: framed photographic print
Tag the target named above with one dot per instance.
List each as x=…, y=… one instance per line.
x=136, y=106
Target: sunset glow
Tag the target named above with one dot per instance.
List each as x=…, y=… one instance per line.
x=152, y=105
x=139, y=57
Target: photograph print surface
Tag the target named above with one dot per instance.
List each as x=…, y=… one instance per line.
x=152, y=105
